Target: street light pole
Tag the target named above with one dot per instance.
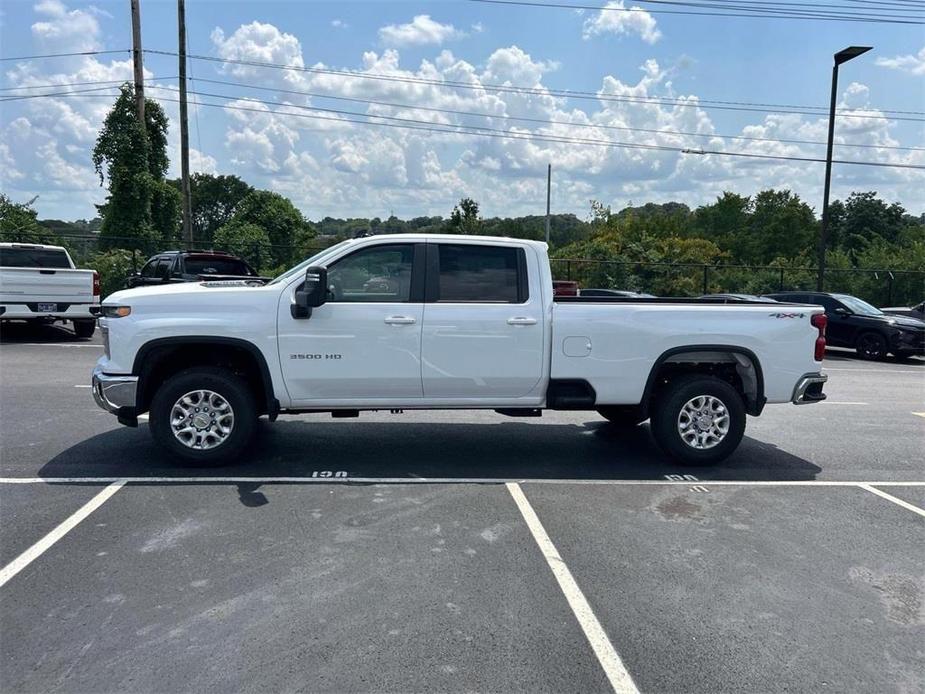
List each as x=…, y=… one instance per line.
x=842, y=56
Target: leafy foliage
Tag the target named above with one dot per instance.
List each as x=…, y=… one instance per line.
x=245, y=240
x=214, y=200
x=284, y=225
x=465, y=217
x=18, y=223
x=132, y=158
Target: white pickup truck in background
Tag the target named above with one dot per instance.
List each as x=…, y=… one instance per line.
x=445, y=322
x=39, y=283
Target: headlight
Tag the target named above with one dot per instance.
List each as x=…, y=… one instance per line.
x=116, y=311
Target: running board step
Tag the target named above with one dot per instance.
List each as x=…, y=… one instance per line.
x=520, y=412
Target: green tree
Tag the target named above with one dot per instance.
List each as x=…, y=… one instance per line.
x=780, y=226
x=246, y=240
x=214, y=200
x=865, y=219
x=114, y=267
x=132, y=158
x=18, y=223
x=279, y=218
x=465, y=217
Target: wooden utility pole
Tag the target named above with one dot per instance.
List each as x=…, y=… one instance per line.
x=548, y=188
x=184, y=130
x=136, y=62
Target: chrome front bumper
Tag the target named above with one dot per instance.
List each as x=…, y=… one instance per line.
x=113, y=393
x=809, y=389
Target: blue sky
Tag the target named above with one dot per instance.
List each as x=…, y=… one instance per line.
x=332, y=167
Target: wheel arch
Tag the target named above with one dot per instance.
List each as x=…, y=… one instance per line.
x=162, y=357
x=709, y=359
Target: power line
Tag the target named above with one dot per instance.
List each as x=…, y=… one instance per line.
x=760, y=7
x=595, y=126
x=451, y=129
x=762, y=14
x=48, y=94
x=548, y=122
x=567, y=94
x=61, y=84
x=110, y=84
x=64, y=55
x=415, y=124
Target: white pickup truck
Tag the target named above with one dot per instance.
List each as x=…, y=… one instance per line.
x=39, y=283
x=445, y=322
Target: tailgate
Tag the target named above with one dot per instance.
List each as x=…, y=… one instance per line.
x=23, y=284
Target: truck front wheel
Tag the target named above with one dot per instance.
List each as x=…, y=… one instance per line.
x=698, y=420
x=204, y=416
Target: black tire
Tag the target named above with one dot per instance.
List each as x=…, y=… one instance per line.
x=228, y=387
x=871, y=346
x=84, y=328
x=666, y=413
x=622, y=415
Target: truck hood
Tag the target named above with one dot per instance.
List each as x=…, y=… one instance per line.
x=185, y=289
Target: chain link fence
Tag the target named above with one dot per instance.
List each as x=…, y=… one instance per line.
x=116, y=258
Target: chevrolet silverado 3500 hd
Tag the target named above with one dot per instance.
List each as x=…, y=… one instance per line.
x=443, y=322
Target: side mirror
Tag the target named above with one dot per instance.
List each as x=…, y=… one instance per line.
x=312, y=294
x=843, y=312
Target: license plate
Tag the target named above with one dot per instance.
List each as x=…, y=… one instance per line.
x=48, y=308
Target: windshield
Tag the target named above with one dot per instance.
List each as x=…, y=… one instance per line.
x=858, y=306
x=300, y=268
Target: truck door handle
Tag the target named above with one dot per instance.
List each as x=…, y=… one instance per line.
x=400, y=320
x=521, y=320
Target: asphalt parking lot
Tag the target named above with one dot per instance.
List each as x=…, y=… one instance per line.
x=460, y=551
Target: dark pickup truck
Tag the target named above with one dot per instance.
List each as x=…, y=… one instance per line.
x=192, y=266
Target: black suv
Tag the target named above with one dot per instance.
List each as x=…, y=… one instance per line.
x=855, y=324
x=191, y=266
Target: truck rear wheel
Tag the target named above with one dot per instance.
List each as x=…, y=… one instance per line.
x=698, y=420
x=84, y=328
x=204, y=416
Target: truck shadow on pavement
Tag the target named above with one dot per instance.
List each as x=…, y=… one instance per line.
x=13, y=332
x=594, y=450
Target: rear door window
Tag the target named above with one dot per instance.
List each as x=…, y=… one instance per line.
x=481, y=274
x=33, y=257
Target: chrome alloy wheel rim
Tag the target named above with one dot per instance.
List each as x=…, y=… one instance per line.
x=201, y=419
x=703, y=422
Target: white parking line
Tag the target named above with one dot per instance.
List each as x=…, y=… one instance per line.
x=449, y=480
x=607, y=656
x=83, y=385
x=875, y=371
x=919, y=414
x=889, y=497
x=36, y=550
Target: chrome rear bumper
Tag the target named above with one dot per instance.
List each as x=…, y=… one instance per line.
x=809, y=389
x=113, y=393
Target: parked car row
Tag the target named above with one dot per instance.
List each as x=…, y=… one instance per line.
x=40, y=283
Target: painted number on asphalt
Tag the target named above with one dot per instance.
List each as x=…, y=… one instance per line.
x=699, y=488
x=328, y=473
x=681, y=478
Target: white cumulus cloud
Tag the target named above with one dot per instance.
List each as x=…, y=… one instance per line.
x=420, y=31
x=616, y=18
x=914, y=64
